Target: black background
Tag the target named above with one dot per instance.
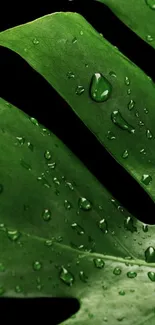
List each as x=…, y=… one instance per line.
x=26, y=89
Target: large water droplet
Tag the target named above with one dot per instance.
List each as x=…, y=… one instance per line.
x=146, y=179
x=131, y=274
x=118, y=119
x=151, y=4
x=150, y=255
x=80, y=90
x=100, y=88
x=46, y=215
x=84, y=204
x=37, y=266
x=131, y=104
x=13, y=235
x=103, y=225
x=79, y=229
x=66, y=276
x=99, y=263
x=117, y=271
x=151, y=276
x=129, y=224
x=83, y=277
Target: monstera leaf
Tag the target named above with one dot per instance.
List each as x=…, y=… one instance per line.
x=67, y=236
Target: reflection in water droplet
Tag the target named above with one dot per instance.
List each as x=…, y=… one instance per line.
x=118, y=119
x=83, y=277
x=34, y=121
x=99, y=263
x=35, y=41
x=131, y=104
x=103, y=226
x=127, y=81
x=111, y=136
x=66, y=276
x=150, y=255
x=100, y=88
x=129, y=224
x=37, y=266
x=151, y=276
x=125, y=154
x=84, y=204
x=79, y=229
x=13, y=235
x=131, y=274
x=80, y=90
x=151, y=4
x=149, y=134
x=46, y=215
x=146, y=179
x=117, y=271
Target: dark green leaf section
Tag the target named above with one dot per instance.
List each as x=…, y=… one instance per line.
x=138, y=15
x=68, y=58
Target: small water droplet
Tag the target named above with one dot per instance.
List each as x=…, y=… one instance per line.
x=83, y=277
x=122, y=293
x=25, y=165
x=145, y=227
x=151, y=4
x=66, y=276
x=13, y=235
x=84, y=204
x=47, y=154
x=81, y=32
x=35, y=41
x=129, y=224
x=127, y=81
x=141, y=123
x=70, y=75
x=69, y=184
x=80, y=90
x=100, y=88
x=30, y=146
x=103, y=226
x=78, y=228
x=149, y=134
x=37, y=266
x=67, y=205
x=129, y=91
x=131, y=274
x=146, y=179
x=34, y=121
x=117, y=271
x=21, y=140
x=18, y=289
x=99, y=263
x=143, y=151
x=137, y=114
x=149, y=38
x=74, y=40
x=48, y=242
x=131, y=104
x=146, y=110
x=46, y=215
x=118, y=119
x=125, y=154
x=112, y=74
x=150, y=255
x=151, y=276
x=56, y=181
x=111, y=136
x=86, y=65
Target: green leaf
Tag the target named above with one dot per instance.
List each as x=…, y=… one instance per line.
x=138, y=15
x=50, y=230
x=68, y=58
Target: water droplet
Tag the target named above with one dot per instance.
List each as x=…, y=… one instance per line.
x=145, y=227
x=21, y=140
x=149, y=134
x=150, y=255
x=149, y=38
x=131, y=274
x=86, y=65
x=129, y=224
x=74, y=40
x=103, y=226
x=131, y=104
x=25, y=165
x=83, y=277
x=117, y=271
x=100, y=88
x=127, y=81
x=99, y=263
x=81, y=32
x=122, y=293
x=47, y=155
x=69, y=184
x=18, y=289
x=79, y=229
x=141, y=123
x=146, y=179
x=35, y=41
x=112, y=74
x=34, y=121
x=56, y=181
x=111, y=136
x=37, y=266
x=13, y=235
x=125, y=154
x=2, y=291
x=67, y=205
x=151, y=276
x=146, y=110
x=66, y=276
x=118, y=119
x=46, y=215
x=30, y=146
x=129, y=91
x=137, y=114
x=151, y=4
x=2, y=268
x=70, y=75
x=48, y=242
x=84, y=204
x=143, y=151
x=80, y=90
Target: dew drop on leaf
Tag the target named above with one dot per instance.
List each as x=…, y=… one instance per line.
x=80, y=90
x=103, y=226
x=48, y=242
x=151, y=4
x=99, y=263
x=37, y=266
x=146, y=110
x=66, y=276
x=151, y=276
x=146, y=179
x=83, y=277
x=149, y=38
x=127, y=81
x=125, y=154
x=74, y=40
x=145, y=227
x=131, y=104
x=34, y=121
x=100, y=88
x=69, y=184
x=47, y=154
x=13, y=235
x=111, y=136
x=21, y=140
x=30, y=146
x=84, y=204
x=122, y=293
x=149, y=134
x=35, y=41
x=150, y=255
x=131, y=274
x=25, y=165
x=129, y=91
x=78, y=228
x=46, y=215
x=117, y=271
x=112, y=74
x=67, y=205
x=56, y=181
x=18, y=289
x=118, y=119
x=70, y=75
x=129, y=224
